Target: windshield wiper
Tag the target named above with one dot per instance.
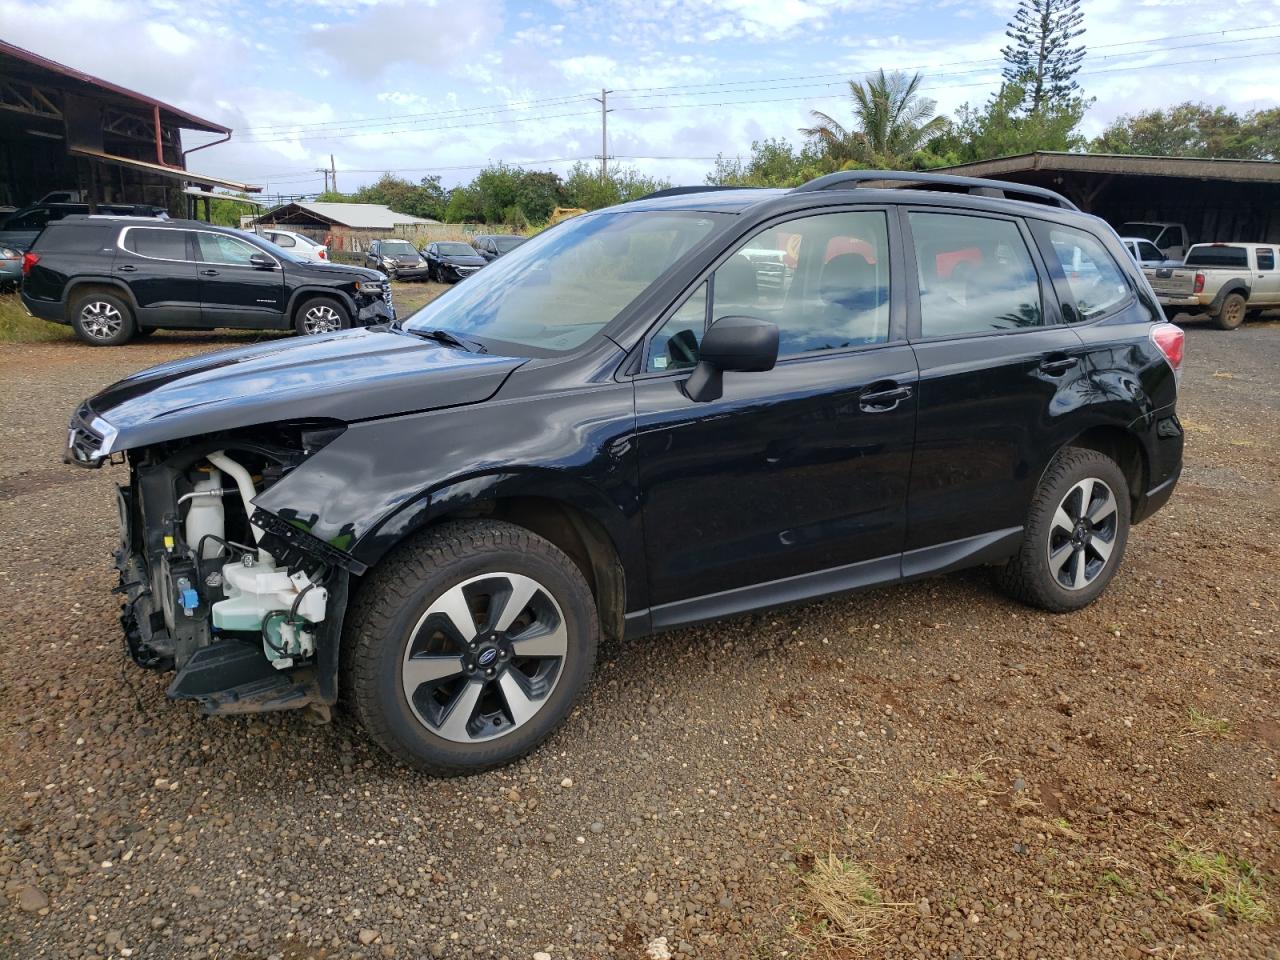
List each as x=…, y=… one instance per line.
x=452, y=339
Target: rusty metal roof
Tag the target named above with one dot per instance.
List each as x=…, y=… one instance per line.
x=1194, y=168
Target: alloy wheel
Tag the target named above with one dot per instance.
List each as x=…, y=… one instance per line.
x=321, y=318
x=101, y=320
x=1082, y=535
x=485, y=657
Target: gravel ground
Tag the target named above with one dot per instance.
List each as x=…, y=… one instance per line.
x=1004, y=783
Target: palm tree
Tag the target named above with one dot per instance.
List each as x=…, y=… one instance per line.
x=893, y=122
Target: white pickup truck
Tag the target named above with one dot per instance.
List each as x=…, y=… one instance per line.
x=1228, y=281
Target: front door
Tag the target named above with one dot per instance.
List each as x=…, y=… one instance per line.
x=997, y=372
x=158, y=266
x=234, y=291
x=794, y=481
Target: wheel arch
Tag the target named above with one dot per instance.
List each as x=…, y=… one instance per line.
x=82, y=285
x=1231, y=286
x=570, y=519
x=302, y=294
x=1125, y=448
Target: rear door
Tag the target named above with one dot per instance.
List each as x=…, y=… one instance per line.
x=158, y=265
x=997, y=370
x=1266, y=284
x=235, y=292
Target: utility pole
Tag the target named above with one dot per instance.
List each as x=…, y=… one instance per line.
x=325, y=171
x=333, y=175
x=603, y=100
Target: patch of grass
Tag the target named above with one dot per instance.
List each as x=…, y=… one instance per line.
x=1112, y=882
x=847, y=907
x=17, y=327
x=975, y=776
x=1232, y=887
x=1201, y=724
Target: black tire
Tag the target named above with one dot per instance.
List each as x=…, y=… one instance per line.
x=389, y=620
x=1030, y=576
x=321, y=315
x=103, y=319
x=1232, y=312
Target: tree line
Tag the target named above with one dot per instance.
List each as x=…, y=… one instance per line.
x=890, y=125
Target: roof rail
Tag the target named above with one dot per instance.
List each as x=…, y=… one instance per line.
x=678, y=191
x=847, y=179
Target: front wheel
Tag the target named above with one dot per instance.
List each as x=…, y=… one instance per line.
x=103, y=320
x=468, y=647
x=1075, y=535
x=321, y=315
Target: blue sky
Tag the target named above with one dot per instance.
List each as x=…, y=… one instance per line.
x=445, y=87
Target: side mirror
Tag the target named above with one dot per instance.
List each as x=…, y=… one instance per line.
x=743, y=344
x=262, y=262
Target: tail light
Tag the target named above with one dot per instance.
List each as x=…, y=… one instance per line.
x=1169, y=339
x=29, y=260
x=1199, y=287
x=321, y=254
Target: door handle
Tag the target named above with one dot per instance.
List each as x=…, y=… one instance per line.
x=1058, y=365
x=882, y=401
x=208, y=273
x=126, y=268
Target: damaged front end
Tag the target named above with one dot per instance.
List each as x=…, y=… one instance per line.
x=245, y=607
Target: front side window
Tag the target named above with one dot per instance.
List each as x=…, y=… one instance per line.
x=220, y=248
x=566, y=284
x=1096, y=282
x=976, y=275
x=157, y=244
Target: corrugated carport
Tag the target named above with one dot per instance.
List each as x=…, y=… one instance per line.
x=1216, y=199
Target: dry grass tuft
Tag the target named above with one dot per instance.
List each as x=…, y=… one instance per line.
x=848, y=910
x=1201, y=724
x=1232, y=887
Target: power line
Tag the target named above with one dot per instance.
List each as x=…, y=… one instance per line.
x=459, y=111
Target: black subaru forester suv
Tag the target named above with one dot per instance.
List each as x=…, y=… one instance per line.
x=671, y=411
x=114, y=278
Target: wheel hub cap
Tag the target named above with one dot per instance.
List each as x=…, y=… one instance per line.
x=484, y=657
x=1082, y=534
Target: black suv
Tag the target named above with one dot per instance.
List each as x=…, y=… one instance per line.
x=687, y=407
x=112, y=278
x=492, y=245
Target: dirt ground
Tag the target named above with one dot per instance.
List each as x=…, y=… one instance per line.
x=924, y=771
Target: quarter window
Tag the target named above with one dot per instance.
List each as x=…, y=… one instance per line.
x=1096, y=282
x=675, y=346
x=219, y=248
x=158, y=244
x=283, y=240
x=976, y=275
x=1266, y=259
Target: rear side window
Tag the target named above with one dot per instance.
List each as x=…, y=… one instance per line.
x=1096, y=283
x=1218, y=256
x=1266, y=259
x=976, y=275
x=67, y=238
x=157, y=244
x=281, y=239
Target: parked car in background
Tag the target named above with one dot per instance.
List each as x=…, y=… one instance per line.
x=1229, y=281
x=398, y=259
x=299, y=244
x=1171, y=239
x=10, y=268
x=492, y=246
x=617, y=430
x=21, y=228
x=112, y=278
x=1145, y=253
x=449, y=261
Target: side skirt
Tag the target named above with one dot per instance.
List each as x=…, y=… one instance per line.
x=992, y=547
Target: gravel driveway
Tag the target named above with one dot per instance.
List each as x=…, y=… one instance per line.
x=926, y=771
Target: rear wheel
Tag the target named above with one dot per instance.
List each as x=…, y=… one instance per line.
x=1232, y=312
x=1075, y=534
x=321, y=315
x=468, y=647
x=103, y=319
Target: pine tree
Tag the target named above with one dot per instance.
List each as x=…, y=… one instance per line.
x=1042, y=58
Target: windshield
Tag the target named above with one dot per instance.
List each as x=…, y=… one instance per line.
x=507, y=244
x=399, y=248
x=1216, y=256
x=564, y=285
x=456, y=250
x=1146, y=231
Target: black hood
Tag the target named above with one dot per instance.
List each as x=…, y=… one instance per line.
x=350, y=375
x=328, y=269
x=464, y=259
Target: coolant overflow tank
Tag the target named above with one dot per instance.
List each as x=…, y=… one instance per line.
x=253, y=592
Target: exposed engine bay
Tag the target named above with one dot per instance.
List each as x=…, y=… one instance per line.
x=245, y=611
